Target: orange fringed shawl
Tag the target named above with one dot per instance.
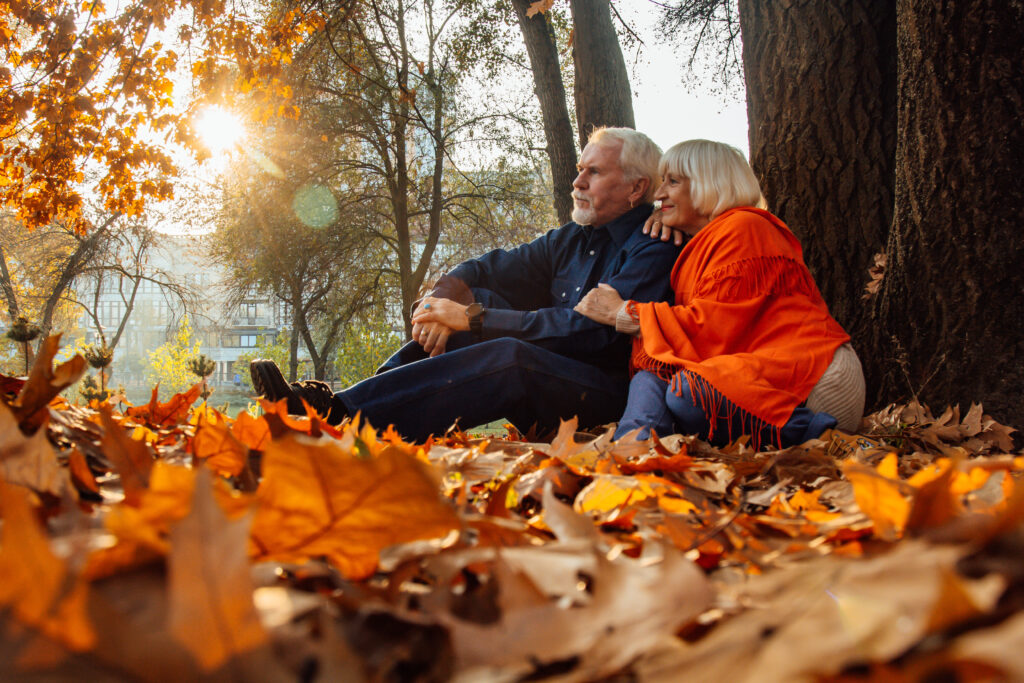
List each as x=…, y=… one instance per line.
x=749, y=323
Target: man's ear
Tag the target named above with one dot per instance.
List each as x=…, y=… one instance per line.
x=640, y=186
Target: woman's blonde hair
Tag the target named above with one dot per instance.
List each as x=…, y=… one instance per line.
x=720, y=177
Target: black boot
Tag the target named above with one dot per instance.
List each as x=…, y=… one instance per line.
x=270, y=383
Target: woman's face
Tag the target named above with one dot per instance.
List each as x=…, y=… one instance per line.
x=677, y=209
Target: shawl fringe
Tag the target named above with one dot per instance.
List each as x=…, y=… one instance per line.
x=755, y=277
x=716, y=406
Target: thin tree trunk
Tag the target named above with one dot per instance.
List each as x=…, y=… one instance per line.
x=293, y=341
x=539, y=37
x=820, y=80
x=10, y=297
x=952, y=303
x=603, y=96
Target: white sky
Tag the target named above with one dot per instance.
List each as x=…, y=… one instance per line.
x=668, y=109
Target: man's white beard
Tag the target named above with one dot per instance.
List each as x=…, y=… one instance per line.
x=583, y=216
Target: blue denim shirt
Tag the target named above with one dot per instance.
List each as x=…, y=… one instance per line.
x=544, y=279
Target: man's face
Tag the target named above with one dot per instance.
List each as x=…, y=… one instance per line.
x=600, y=192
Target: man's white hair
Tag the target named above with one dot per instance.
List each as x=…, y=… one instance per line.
x=639, y=157
x=720, y=177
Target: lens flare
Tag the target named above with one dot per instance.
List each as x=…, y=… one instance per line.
x=315, y=206
x=219, y=129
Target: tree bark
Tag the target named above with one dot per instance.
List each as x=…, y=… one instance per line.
x=952, y=303
x=539, y=37
x=821, y=82
x=603, y=95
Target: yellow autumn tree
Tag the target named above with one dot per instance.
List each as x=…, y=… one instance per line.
x=168, y=363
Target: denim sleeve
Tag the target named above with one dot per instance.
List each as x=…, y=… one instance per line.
x=643, y=276
x=521, y=275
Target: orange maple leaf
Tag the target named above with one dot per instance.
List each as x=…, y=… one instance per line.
x=216, y=444
x=881, y=498
x=168, y=414
x=132, y=459
x=317, y=500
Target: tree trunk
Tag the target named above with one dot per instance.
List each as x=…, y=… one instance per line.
x=952, y=303
x=820, y=82
x=293, y=341
x=10, y=298
x=539, y=37
x=603, y=96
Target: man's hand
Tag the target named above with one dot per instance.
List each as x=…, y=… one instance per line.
x=434, y=320
x=433, y=337
x=656, y=229
x=600, y=304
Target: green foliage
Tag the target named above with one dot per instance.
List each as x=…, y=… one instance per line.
x=276, y=351
x=363, y=348
x=201, y=366
x=169, y=363
x=91, y=388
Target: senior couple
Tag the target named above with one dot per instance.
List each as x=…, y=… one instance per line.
x=602, y=320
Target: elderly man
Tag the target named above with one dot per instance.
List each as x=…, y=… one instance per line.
x=497, y=337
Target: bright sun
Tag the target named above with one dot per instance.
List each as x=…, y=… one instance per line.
x=219, y=129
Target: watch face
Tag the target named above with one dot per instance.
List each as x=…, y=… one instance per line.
x=474, y=309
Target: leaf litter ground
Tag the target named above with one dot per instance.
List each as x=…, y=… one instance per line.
x=169, y=541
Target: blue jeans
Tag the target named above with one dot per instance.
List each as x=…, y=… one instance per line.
x=653, y=405
x=478, y=383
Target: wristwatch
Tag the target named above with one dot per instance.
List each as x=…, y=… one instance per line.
x=475, y=313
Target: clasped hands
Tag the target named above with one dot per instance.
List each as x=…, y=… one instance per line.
x=601, y=304
x=434, y=320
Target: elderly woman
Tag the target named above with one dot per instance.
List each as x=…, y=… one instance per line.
x=749, y=346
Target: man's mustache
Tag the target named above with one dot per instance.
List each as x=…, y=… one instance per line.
x=581, y=196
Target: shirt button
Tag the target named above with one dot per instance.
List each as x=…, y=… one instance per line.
x=577, y=289
x=563, y=293
x=591, y=252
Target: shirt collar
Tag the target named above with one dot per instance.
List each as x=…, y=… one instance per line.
x=620, y=229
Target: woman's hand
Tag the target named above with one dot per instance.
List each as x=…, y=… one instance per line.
x=600, y=304
x=658, y=230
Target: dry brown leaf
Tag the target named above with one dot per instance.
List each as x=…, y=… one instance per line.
x=318, y=500
x=28, y=460
x=211, y=593
x=631, y=605
x=44, y=383
x=34, y=583
x=816, y=618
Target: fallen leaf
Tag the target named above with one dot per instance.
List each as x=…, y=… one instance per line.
x=215, y=443
x=210, y=592
x=630, y=605
x=132, y=459
x=317, y=500
x=28, y=460
x=882, y=499
x=173, y=412
x=44, y=383
x=81, y=475
x=34, y=583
